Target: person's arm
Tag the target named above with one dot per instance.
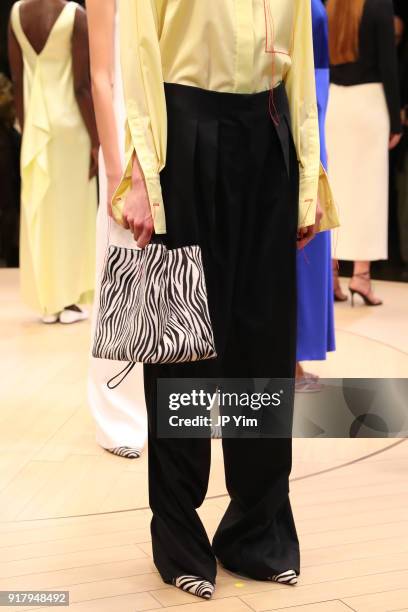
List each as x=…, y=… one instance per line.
x=17, y=73
x=82, y=85
x=138, y=202
x=101, y=26
x=387, y=55
x=301, y=90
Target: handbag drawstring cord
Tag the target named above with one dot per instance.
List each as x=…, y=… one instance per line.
x=121, y=375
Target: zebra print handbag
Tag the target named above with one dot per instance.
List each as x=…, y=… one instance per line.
x=153, y=307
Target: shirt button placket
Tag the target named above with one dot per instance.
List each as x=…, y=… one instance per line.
x=244, y=67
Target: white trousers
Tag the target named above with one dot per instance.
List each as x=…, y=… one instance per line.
x=120, y=414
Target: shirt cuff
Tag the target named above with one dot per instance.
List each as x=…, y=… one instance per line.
x=154, y=192
x=330, y=218
x=308, y=201
x=310, y=189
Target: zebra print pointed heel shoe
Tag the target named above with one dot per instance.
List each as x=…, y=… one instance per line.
x=125, y=451
x=288, y=577
x=195, y=586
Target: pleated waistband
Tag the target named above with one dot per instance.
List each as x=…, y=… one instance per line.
x=203, y=103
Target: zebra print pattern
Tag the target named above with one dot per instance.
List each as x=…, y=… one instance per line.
x=195, y=585
x=288, y=577
x=153, y=306
x=125, y=451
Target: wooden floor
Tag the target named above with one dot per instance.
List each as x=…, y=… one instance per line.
x=73, y=517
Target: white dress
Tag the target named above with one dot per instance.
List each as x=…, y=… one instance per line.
x=120, y=414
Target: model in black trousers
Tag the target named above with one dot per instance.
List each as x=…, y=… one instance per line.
x=230, y=185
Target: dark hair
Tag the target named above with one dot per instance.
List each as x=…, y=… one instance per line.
x=7, y=111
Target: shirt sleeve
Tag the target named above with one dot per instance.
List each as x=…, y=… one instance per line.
x=301, y=90
x=330, y=217
x=388, y=62
x=145, y=104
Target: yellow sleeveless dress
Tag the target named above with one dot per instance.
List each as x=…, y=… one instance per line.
x=58, y=201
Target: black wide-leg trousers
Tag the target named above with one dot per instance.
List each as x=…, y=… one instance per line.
x=231, y=186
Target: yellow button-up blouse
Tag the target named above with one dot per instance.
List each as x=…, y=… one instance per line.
x=238, y=46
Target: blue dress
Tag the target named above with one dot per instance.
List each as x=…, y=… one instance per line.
x=315, y=281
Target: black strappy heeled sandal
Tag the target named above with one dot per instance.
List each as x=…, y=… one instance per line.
x=368, y=301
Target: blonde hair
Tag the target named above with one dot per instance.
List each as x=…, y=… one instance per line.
x=344, y=30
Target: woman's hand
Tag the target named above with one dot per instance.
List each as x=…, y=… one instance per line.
x=394, y=140
x=137, y=216
x=306, y=234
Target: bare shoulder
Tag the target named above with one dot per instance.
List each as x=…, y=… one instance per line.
x=81, y=24
x=80, y=11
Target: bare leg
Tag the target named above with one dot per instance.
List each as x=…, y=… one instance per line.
x=299, y=370
x=301, y=374
x=361, y=284
x=339, y=296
